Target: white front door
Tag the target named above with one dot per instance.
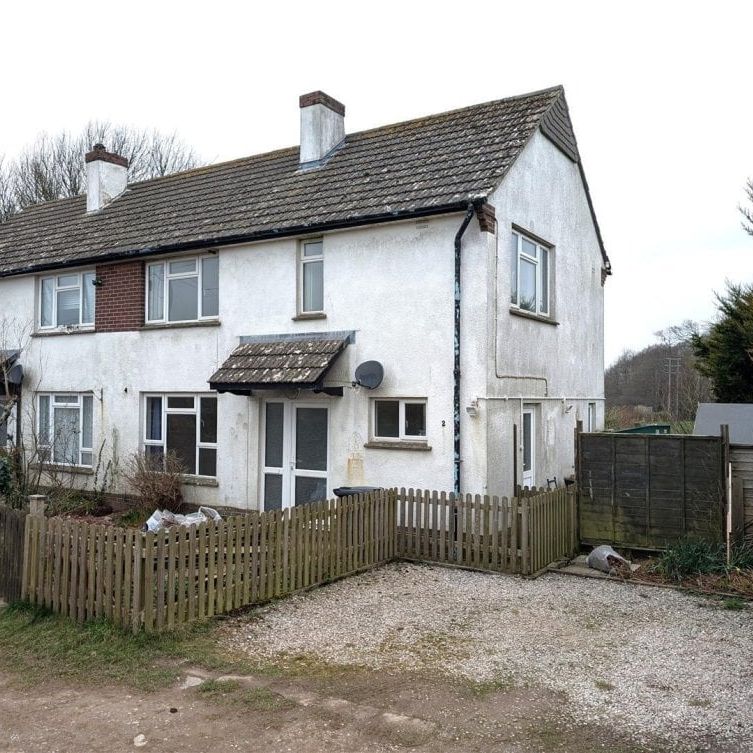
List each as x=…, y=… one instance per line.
x=529, y=445
x=295, y=452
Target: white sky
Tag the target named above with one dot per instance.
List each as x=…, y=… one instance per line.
x=659, y=93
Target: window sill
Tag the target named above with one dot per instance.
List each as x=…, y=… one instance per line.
x=179, y=325
x=397, y=445
x=198, y=481
x=64, y=332
x=305, y=317
x=535, y=317
x=56, y=468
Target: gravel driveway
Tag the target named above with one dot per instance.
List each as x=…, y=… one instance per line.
x=649, y=662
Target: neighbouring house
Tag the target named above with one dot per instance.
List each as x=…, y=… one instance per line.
x=710, y=417
x=223, y=313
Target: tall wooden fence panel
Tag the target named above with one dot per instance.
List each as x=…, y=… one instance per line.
x=516, y=535
x=11, y=552
x=646, y=491
x=742, y=473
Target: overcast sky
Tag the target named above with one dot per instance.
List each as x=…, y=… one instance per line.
x=659, y=94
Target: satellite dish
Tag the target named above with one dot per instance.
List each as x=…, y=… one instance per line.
x=15, y=374
x=369, y=374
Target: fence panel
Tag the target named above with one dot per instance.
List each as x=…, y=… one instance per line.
x=647, y=491
x=12, y=524
x=157, y=581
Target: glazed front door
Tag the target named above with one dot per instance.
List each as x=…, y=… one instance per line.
x=295, y=453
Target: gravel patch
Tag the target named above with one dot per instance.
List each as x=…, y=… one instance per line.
x=650, y=662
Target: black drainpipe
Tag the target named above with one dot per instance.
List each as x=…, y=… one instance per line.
x=456, y=395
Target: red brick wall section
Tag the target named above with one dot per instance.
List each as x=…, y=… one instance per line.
x=119, y=303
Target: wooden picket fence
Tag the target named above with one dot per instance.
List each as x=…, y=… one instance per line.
x=160, y=580
x=157, y=581
x=11, y=552
x=517, y=535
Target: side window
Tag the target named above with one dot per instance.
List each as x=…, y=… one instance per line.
x=67, y=300
x=183, y=290
x=311, y=277
x=530, y=275
x=185, y=425
x=403, y=419
x=65, y=428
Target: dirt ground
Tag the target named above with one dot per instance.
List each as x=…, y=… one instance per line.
x=355, y=711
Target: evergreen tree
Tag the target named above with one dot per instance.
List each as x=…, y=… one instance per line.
x=725, y=353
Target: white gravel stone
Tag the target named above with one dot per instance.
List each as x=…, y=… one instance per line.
x=647, y=661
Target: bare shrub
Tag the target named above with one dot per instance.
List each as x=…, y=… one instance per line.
x=155, y=480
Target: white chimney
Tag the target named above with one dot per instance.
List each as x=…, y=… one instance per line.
x=322, y=127
x=106, y=177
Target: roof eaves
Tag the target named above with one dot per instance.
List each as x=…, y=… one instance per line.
x=230, y=240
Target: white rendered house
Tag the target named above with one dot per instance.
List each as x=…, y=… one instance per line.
x=222, y=313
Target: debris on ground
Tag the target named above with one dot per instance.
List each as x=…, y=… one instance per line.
x=161, y=519
x=605, y=559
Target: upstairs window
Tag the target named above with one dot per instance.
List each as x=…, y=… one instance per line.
x=183, y=290
x=311, y=276
x=66, y=300
x=400, y=420
x=530, y=275
x=65, y=428
x=185, y=425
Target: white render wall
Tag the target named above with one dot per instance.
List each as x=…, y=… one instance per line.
x=544, y=194
x=393, y=284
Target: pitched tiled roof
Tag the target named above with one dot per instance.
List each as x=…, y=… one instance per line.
x=433, y=164
x=288, y=362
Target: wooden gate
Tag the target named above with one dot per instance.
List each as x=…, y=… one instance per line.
x=646, y=491
x=11, y=552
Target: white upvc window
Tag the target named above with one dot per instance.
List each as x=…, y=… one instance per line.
x=530, y=275
x=311, y=277
x=399, y=419
x=185, y=425
x=183, y=290
x=65, y=428
x=66, y=300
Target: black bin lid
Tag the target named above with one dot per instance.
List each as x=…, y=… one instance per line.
x=349, y=491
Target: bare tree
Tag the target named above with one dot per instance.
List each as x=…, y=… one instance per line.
x=53, y=166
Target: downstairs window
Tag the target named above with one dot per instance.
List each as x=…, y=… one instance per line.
x=185, y=425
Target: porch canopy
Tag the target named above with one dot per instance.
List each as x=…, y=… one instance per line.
x=281, y=362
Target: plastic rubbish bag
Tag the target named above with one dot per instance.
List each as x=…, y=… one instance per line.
x=161, y=519
x=604, y=558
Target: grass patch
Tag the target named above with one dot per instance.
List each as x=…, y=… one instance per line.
x=701, y=703
x=690, y=557
x=36, y=646
x=234, y=693
x=486, y=688
x=734, y=604
x=604, y=685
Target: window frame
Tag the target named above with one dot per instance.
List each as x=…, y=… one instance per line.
x=49, y=455
x=537, y=261
x=402, y=435
x=303, y=260
x=167, y=276
x=80, y=286
x=165, y=411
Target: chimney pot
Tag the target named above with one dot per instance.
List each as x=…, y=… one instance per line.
x=322, y=127
x=106, y=177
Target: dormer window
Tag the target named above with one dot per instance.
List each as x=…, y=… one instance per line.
x=67, y=300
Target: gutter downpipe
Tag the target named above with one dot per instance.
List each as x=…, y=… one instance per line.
x=470, y=209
